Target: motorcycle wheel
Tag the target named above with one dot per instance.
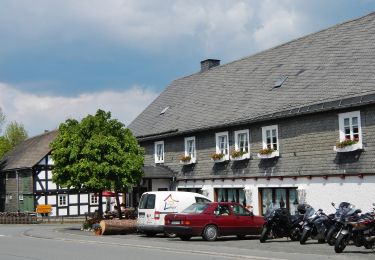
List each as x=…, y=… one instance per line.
x=341, y=243
x=331, y=236
x=295, y=234
x=264, y=235
x=305, y=235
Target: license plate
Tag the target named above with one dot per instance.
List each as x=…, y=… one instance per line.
x=141, y=214
x=175, y=222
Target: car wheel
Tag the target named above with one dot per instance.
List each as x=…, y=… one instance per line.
x=210, y=233
x=170, y=235
x=185, y=238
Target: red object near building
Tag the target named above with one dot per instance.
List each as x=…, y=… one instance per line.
x=211, y=220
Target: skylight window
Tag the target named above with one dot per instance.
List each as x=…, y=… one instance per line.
x=280, y=81
x=164, y=110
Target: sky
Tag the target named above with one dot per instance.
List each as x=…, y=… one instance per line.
x=66, y=59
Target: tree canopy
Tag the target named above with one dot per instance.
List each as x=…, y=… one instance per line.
x=98, y=153
x=13, y=135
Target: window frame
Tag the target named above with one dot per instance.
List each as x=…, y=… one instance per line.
x=186, y=140
x=350, y=115
x=65, y=201
x=217, y=135
x=236, y=141
x=156, y=152
x=264, y=136
x=94, y=199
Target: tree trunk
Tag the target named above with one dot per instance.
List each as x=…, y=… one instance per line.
x=100, y=209
x=117, y=226
x=118, y=205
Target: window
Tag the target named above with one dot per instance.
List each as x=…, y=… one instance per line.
x=94, y=199
x=270, y=137
x=190, y=148
x=241, y=141
x=240, y=211
x=159, y=152
x=230, y=195
x=350, y=126
x=280, y=198
x=63, y=200
x=201, y=200
x=222, y=145
x=147, y=201
x=222, y=210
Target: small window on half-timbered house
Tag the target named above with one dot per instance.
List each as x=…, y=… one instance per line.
x=94, y=199
x=350, y=126
x=63, y=200
x=159, y=152
x=270, y=137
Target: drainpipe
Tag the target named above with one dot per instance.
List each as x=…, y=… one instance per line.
x=18, y=191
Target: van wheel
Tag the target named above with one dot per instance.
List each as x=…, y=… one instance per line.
x=150, y=234
x=170, y=235
x=210, y=233
x=185, y=238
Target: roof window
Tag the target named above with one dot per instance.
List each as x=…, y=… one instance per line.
x=164, y=110
x=280, y=81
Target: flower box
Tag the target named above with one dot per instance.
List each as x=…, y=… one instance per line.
x=219, y=157
x=240, y=158
x=191, y=161
x=219, y=160
x=270, y=155
x=348, y=148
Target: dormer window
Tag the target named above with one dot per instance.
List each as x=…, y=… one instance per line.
x=159, y=152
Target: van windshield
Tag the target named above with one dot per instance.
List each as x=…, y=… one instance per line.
x=147, y=201
x=196, y=208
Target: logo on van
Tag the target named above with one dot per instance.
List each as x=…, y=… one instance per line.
x=170, y=203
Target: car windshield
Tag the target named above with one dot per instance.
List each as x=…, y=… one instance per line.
x=196, y=208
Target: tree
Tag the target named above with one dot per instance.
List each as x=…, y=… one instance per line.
x=14, y=134
x=2, y=119
x=96, y=154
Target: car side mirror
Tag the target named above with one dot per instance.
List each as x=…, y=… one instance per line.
x=333, y=204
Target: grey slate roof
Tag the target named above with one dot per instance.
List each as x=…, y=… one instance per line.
x=29, y=152
x=157, y=172
x=332, y=64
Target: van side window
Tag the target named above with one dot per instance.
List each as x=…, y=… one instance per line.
x=147, y=201
x=200, y=200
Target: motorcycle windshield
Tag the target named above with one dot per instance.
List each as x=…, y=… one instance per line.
x=309, y=212
x=271, y=210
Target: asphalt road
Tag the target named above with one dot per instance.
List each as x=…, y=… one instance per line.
x=68, y=242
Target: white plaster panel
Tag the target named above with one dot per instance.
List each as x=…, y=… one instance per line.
x=42, y=162
x=49, y=175
x=84, y=198
x=53, y=212
x=51, y=185
x=51, y=199
x=156, y=184
x=50, y=161
x=92, y=209
x=83, y=209
x=41, y=200
x=73, y=210
x=73, y=198
x=63, y=212
x=38, y=187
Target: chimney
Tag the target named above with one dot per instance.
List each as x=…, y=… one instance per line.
x=208, y=64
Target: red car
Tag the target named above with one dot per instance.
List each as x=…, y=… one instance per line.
x=211, y=220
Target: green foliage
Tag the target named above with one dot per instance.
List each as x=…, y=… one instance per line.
x=96, y=154
x=2, y=119
x=14, y=134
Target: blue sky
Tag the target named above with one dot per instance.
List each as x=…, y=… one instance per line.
x=62, y=59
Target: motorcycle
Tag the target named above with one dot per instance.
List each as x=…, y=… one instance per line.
x=280, y=223
x=360, y=230
x=344, y=209
x=316, y=225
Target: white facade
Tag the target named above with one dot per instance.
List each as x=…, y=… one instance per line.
x=319, y=192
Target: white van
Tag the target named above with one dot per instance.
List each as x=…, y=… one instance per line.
x=154, y=205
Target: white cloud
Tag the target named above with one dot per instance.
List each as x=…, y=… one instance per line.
x=215, y=27
x=40, y=112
